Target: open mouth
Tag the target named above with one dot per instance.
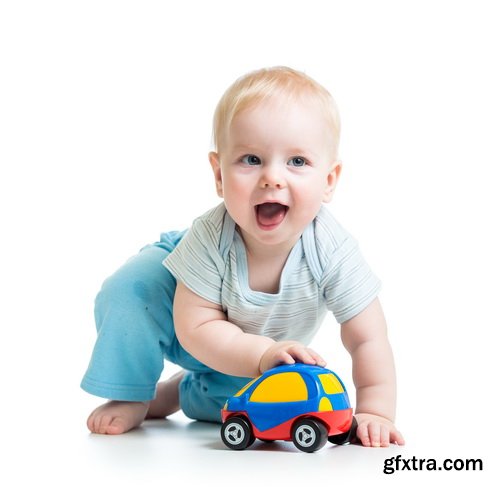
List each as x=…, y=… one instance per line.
x=270, y=215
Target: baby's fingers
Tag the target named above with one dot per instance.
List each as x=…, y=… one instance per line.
x=283, y=357
x=317, y=357
x=379, y=434
x=306, y=356
x=363, y=435
x=376, y=433
x=385, y=436
x=396, y=437
x=373, y=434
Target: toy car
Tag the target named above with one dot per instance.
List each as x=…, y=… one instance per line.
x=302, y=403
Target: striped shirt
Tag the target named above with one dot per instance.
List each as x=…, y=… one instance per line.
x=324, y=271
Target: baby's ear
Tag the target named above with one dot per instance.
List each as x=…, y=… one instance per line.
x=213, y=157
x=331, y=180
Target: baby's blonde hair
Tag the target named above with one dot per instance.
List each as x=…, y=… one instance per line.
x=263, y=84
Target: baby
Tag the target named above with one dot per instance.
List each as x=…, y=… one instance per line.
x=247, y=286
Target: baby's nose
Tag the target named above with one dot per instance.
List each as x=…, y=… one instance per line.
x=272, y=179
x=276, y=185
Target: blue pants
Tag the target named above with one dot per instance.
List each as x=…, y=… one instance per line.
x=135, y=333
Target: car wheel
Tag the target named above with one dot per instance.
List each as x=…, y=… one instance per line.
x=347, y=437
x=309, y=435
x=236, y=433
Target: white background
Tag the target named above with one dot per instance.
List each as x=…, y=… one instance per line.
x=105, y=124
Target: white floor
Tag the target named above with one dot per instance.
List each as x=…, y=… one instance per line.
x=179, y=449
x=52, y=447
x=194, y=450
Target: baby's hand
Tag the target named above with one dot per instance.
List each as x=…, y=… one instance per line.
x=289, y=352
x=377, y=431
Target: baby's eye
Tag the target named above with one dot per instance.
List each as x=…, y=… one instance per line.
x=297, y=162
x=251, y=160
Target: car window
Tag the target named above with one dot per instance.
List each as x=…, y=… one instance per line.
x=330, y=383
x=283, y=387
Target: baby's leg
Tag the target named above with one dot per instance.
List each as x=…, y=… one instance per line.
x=134, y=322
x=166, y=401
x=203, y=394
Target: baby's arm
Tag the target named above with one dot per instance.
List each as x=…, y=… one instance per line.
x=365, y=337
x=203, y=330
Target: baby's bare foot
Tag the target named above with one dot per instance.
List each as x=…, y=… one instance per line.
x=117, y=417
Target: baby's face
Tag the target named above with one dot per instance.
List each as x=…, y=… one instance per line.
x=276, y=169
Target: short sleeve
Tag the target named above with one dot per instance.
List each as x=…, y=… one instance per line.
x=348, y=282
x=196, y=261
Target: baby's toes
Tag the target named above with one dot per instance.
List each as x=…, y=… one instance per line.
x=90, y=423
x=116, y=426
x=111, y=425
x=93, y=422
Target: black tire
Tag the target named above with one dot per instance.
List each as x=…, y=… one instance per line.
x=309, y=435
x=347, y=437
x=237, y=434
